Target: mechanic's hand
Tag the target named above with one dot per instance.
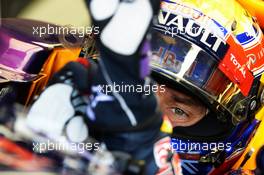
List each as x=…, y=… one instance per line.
x=123, y=23
x=61, y=109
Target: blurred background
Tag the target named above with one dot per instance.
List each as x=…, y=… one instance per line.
x=61, y=12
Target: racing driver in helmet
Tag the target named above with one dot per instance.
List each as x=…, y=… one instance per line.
x=210, y=59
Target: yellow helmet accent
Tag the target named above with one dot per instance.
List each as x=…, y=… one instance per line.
x=256, y=8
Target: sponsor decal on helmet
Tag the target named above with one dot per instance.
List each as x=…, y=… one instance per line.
x=234, y=66
x=172, y=24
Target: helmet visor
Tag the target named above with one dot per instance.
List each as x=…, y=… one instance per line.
x=188, y=65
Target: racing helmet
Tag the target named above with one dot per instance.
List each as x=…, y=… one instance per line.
x=212, y=50
x=255, y=7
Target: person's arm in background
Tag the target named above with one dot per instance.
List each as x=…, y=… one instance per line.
x=123, y=48
x=127, y=121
